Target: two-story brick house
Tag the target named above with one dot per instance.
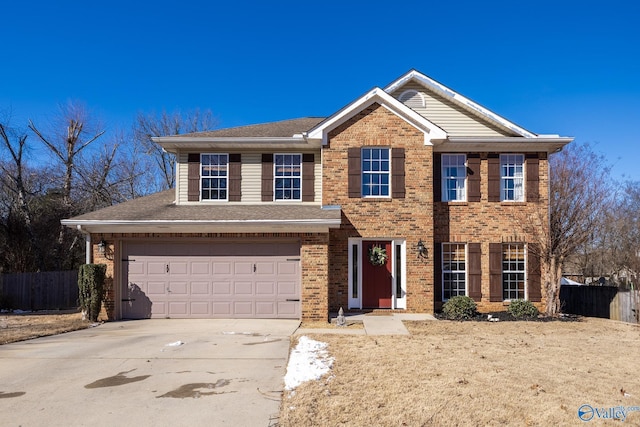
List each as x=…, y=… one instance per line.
x=406, y=197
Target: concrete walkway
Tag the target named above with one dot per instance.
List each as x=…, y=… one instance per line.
x=385, y=324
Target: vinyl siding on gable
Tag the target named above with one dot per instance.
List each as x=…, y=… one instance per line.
x=453, y=119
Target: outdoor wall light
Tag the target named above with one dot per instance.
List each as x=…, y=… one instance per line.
x=422, y=249
x=102, y=246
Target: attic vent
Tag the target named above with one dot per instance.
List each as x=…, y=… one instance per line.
x=412, y=99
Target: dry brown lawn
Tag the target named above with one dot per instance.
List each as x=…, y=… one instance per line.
x=20, y=327
x=474, y=374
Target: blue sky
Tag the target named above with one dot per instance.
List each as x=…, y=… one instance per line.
x=567, y=67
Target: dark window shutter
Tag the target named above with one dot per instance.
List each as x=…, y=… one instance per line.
x=473, y=178
x=437, y=270
x=397, y=170
x=308, y=177
x=475, y=270
x=437, y=177
x=355, y=178
x=533, y=178
x=193, y=172
x=267, y=177
x=493, y=163
x=235, y=178
x=534, y=273
x=495, y=272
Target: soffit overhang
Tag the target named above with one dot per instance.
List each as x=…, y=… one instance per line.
x=502, y=144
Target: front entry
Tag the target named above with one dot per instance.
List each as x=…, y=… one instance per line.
x=376, y=279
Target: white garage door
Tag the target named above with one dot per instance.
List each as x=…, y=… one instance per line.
x=224, y=280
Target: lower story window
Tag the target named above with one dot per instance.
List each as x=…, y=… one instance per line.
x=454, y=268
x=513, y=271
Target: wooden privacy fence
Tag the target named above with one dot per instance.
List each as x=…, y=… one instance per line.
x=50, y=290
x=601, y=301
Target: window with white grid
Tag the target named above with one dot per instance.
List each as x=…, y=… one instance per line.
x=513, y=271
x=454, y=177
x=512, y=177
x=288, y=176
x=376, y=172
x=213, y=176
x=454, y=270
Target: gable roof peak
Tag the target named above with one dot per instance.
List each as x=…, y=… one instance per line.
x=455, y=97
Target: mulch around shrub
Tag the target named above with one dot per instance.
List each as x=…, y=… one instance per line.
x=504, y=316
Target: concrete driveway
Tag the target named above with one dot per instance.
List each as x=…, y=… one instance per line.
x=148, y=373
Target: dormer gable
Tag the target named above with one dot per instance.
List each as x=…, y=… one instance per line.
x=432, y=133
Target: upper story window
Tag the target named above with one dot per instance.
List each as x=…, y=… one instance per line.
x=287, y=176
x=454, y=177
x=213, y=176
x=376, y=172
x=512, y=177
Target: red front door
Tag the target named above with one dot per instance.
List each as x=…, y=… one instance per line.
x=376, y=280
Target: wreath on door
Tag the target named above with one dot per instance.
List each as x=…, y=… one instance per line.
x=377, y=255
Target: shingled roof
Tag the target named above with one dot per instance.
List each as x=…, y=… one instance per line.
x=159, y=210
x=280, y=129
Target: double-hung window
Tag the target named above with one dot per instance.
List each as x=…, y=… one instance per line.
x=213, y=176
x=288, y=176
x=513, y=271
x=454, y=270
x=512, y=177
x=454, y=176
x=376, y=172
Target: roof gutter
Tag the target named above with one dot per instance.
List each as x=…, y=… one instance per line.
x=171, y=226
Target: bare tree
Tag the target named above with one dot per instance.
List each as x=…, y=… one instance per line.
x=14, y=184
x=67, y=140
x=67, y=144
x=165, y=124
x=580, y=195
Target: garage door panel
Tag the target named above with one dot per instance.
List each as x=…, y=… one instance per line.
x=287, y=308
x=156, y=288
x=221, y=309
x=243, y=308
x=136, y=267
x=156, y=268
x=178, y=308
x=287, y=268
x=288, y=289
x=243, y=268
x=266, y=308
x=178, y=288
x=243, y=288
x=265, y=289
x=222, y=289
x=222, y=267
x=264, y=268
x=214, y=280
x=199, y=288
x=159, y=309
x=200, y=308
x=200, y=268
x=178, y=268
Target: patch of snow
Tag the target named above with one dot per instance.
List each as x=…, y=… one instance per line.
x=21, y=311
x=309, y=360
x=175, y=344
